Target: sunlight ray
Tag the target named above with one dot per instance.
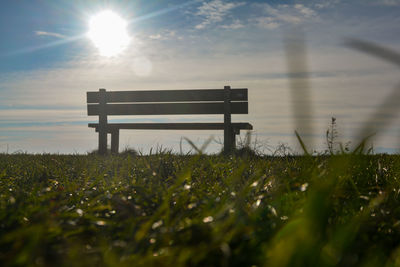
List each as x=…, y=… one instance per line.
x=44, y=46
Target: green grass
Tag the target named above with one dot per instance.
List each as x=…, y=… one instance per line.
x=170, y=210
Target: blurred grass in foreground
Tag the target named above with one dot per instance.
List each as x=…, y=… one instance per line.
x=165, y=210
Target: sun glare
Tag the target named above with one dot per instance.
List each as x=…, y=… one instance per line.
x=108, y=33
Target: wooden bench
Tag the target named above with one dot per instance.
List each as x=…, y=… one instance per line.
x=225, y=101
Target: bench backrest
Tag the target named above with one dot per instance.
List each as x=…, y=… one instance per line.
x=168, y=102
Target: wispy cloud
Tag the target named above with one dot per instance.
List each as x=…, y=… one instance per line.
x=53, y=34
x=326, y=3
x=236, y=24
x=165, y=35
x=215, y=11
x=388, y=2
x=276, y=16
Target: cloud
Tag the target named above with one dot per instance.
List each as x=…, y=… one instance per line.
x=284, y=14
x=165, y=35
x=236, y=24
x=388, y=2
x=156, y=36
x=267, y=22
x=214, y=12
x=53, y=34
x=326, y=3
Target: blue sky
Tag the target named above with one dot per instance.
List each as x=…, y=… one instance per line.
x=47, y=64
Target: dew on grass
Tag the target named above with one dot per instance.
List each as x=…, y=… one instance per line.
x=268, y=185
x=157, y=224
x=79, y=211
x=71, y=222
x=273, y=210
x=119, y=243
x=100, y=223
x=191, y=206
x=208, y=219
x=303, y=187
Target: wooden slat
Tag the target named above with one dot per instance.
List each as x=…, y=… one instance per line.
x=168, y=95
x=168, y=108
x=173, y=126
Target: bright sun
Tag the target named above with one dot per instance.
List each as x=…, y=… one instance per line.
x=108, y=33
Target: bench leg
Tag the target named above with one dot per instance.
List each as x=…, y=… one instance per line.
x=228, y=136
x=115, y=141
x=230, y=140
x=102, y=142
x=233, y=140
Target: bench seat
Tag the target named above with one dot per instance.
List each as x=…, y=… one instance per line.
x=237, y=126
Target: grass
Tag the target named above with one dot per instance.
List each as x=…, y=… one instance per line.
x=166, y=209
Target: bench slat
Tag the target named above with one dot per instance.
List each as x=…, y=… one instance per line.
x=168, y=108
x=174, y=126
x=168, y=95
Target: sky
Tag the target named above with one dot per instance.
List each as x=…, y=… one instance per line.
x=48, y=63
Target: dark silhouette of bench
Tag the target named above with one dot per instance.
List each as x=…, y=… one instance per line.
x=225, y=101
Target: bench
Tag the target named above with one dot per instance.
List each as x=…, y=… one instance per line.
x=225, y=101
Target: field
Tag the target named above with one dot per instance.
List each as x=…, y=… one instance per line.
x=204, y=210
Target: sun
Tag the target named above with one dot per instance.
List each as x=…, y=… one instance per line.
x=107, y=31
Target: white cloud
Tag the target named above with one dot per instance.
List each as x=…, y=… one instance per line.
x=156, y=36
x=284, y=14
x=305, y=11
x=236, y=24
x=214, y=12
x=266, y=22
x=165, y=35
x=388, y=2
x=53, y=34
x=326, y=3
